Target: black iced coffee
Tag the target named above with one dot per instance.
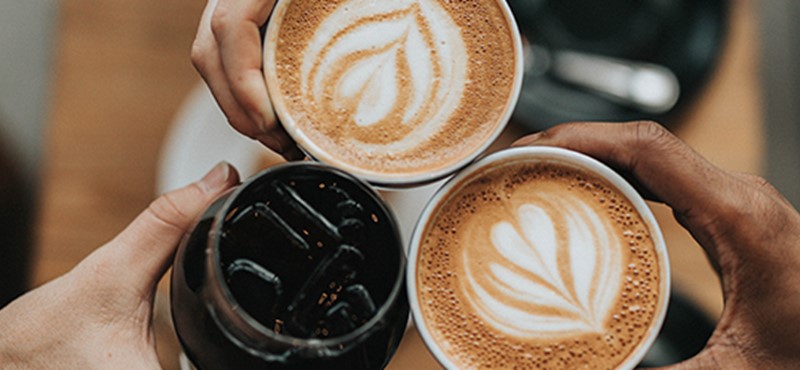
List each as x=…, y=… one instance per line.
x=299, y=268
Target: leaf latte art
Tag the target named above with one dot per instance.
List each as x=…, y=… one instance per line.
x=394, y=67
x=547, y=280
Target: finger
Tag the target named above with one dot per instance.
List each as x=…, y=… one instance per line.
x=235, y=24
x=280, y=142
x=294, y=154
x=275, y=139
x=698, y=192
x=144, y=250
x=761, y=184
x=207, y=59
x=208, y=62
x=660, y=162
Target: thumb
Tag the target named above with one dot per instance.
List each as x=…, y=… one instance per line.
x=143, y=251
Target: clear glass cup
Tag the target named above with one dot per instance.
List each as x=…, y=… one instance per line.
x=234, y=263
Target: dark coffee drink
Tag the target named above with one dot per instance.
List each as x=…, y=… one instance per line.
x=394, y=91
x=305, y=271
x=539, y=263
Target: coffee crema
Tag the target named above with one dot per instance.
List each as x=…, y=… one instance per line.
x=392, y=88
x=537, y=265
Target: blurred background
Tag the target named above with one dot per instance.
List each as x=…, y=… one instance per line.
x=89, y=91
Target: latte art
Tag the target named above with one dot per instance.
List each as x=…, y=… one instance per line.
x=397, y=92
x=394, y=67
x=524, y=293
x=536, y=264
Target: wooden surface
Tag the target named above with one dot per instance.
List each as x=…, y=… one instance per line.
x=122, y=70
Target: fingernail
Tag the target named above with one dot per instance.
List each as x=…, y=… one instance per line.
x=535, y=136
x=528, y=140
x=216, y=179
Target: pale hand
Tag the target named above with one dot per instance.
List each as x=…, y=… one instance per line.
x=99, y=314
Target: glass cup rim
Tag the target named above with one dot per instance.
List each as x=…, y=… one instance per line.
x=388, y=180
x=252, y=327
x=541, y=154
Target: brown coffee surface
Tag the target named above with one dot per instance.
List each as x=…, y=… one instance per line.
x=396, y=87
x=493, y=295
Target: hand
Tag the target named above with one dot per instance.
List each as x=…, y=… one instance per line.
x=227, y=53
x=99, y=315
x=749, y=232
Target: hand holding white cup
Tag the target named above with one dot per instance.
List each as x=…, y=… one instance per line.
x=538, y=257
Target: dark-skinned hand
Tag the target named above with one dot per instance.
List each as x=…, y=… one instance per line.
x=750, y=233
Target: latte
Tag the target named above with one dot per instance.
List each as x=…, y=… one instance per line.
x=538, y=264
x=402, y=91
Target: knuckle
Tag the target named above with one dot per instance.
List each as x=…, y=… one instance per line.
x=740, y=217
x=220, y=19
x=649, y=133
x=244, y=126
x=741, y=207
x=760, y=182
x=199, y=55
x=166, y=211
x=274, y=127
x=561, y=129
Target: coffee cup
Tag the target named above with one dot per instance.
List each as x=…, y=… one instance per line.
x=538, y=257
x=299, y=267
x=399, y=93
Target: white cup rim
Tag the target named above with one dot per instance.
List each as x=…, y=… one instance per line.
x=552, y=155
x=388, y=180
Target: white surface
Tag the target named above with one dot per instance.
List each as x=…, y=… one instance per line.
x=199, y=138
x=407, y=205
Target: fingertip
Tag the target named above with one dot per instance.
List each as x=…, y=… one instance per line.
x=279, y=142
x=271, y=142
x=528, y=140
x=222, y=176
x=295, y=154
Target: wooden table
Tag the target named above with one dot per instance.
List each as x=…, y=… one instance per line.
x=122, y=70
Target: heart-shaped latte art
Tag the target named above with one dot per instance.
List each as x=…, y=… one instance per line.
x=554, y=268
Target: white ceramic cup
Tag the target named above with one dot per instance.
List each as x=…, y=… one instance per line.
x=386, y=180
x=539, y=155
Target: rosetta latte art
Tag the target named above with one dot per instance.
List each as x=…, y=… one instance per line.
x=523, y=292
x=392, y=72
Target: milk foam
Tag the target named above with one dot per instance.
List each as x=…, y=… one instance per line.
x=398, y=62
x=524, y=275
x=537, y=265
x=399, y=91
